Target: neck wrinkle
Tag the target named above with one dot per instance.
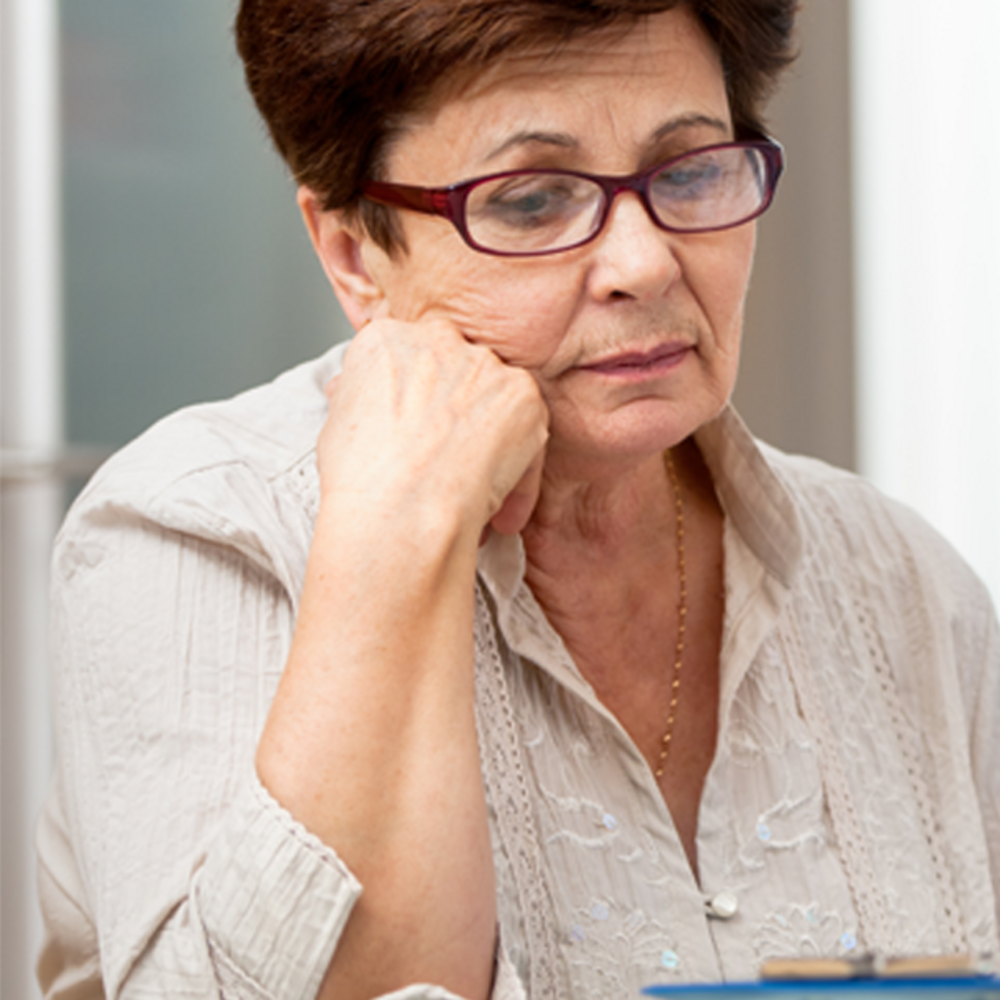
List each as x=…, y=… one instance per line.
x=603, y=514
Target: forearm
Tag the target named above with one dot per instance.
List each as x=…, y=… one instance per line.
x=371, y=745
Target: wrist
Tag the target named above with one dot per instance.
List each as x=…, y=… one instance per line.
x=418, y=526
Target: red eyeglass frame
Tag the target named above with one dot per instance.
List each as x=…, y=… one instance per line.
x=449, y=202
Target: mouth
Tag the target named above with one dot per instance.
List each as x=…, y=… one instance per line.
x=657, y=361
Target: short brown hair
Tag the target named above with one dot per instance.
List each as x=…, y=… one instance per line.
x=334, y=79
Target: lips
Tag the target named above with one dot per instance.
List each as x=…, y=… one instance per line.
x=629, y=362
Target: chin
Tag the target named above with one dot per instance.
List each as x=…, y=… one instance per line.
x=640, y=431
x=658, y=424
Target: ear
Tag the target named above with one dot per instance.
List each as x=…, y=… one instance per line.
x=339, y=248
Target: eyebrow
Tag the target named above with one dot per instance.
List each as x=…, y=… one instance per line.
x=693, y=120
x=563, y=140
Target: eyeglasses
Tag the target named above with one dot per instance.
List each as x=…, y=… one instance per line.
x=528, y=213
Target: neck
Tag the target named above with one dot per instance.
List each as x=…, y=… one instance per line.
x=610, y=510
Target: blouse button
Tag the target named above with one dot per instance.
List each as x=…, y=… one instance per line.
x=723, y=905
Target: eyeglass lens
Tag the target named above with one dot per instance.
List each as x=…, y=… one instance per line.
x=535, y=212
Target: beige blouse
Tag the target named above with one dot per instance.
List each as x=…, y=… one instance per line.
x=853, y=803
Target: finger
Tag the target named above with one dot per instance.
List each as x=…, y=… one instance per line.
x=518, y=505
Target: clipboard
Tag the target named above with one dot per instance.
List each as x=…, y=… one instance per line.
x=936, y=988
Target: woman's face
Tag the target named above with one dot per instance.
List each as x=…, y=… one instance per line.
x=633, y=338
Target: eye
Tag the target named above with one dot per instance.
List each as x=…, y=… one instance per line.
x=694, y=177
x=531, y=201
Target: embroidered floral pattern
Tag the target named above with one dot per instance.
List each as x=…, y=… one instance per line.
x=804, y=931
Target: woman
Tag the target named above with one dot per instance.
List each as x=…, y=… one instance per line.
x=527, y=637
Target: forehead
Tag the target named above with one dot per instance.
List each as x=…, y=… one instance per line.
x=609, y=90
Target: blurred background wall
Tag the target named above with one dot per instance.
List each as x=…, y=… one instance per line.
x=796, y=386
x=153, y=256
x=187, y=272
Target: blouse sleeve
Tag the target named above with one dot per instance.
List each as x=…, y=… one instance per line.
x=166, y=869
x=167, y=651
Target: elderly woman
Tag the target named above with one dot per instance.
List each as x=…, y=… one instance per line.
x=556, y=682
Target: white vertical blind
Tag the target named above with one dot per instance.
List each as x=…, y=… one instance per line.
x=926, y=102
x=31, y=432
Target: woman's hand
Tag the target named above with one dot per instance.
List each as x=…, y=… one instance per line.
x=424, y=422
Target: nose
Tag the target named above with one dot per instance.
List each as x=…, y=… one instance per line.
x=633, y=257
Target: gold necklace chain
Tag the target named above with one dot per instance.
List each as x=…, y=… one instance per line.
x=675, y=684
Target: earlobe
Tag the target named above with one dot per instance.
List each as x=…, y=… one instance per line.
x=338, y=244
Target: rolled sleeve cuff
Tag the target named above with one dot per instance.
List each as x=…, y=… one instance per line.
x=273, y=900
x=506, y=986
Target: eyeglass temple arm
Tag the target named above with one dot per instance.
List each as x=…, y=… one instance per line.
x=431, y=202
x=776, y=156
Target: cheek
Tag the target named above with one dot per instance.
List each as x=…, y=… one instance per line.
x=520, y=314
x=719, y=280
